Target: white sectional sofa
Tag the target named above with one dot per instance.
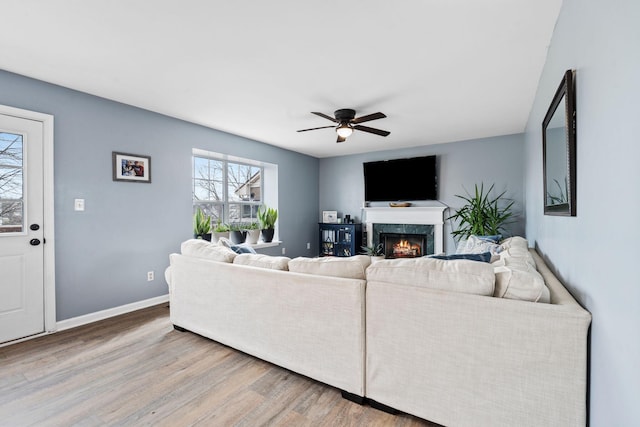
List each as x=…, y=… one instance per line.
x=453, y=342
x=310, y=324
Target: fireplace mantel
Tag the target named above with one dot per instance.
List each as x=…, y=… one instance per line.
x=429, y=215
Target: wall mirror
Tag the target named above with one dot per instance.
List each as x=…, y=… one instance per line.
x=559, y=151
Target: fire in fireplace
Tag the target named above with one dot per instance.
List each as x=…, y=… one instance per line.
x=397, y=245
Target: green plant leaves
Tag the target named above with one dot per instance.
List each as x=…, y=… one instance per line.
x=267, y=217
x=201, y=222
x=482, y=214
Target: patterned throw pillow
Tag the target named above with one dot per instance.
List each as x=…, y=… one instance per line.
x=493, y=238
x=239, y=249
x=482, y=257
x=242, y=249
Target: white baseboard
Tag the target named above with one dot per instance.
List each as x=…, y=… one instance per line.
x=74, y=322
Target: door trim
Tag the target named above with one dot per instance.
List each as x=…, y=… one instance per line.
x=48, y=220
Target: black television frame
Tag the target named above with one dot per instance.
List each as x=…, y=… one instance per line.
x=378, y=176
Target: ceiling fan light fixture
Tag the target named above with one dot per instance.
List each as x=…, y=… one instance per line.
x=344, y=130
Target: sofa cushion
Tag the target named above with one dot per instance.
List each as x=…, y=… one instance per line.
x=348, y=267
x=478, y=245
x=198, y=248
x=515, y=241
x=520, y=282
x=516, y=274
x=263, y=261
x=515, y=256
x=463, y=276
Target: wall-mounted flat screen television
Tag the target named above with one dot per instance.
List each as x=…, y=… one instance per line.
x=401, y=180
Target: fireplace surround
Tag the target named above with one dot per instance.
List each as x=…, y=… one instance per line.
x=409, y=220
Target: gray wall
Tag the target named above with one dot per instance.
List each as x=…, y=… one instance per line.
x=103, y=254
x=595, y=252
x=460, y=165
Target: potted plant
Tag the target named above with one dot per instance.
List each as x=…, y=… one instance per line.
x=253, y=232
x=201, y=225
x=376, y=252
x=482, y=215
x=220, y=230
x=267, y=218
x=237, y=233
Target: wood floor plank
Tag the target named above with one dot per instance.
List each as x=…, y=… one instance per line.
x=135, y=369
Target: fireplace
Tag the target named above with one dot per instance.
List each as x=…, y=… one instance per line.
x=400, y=245
x=426, y=220
x=410, y=240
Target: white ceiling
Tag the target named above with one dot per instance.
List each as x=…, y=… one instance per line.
x=441, y=70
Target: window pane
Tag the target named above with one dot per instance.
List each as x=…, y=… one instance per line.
x=244, y=213
x=207, y=190
x=244, y=183
x=11, y=188
x=235, y=213
x=200, y=190
x=213, y=210
x=200, y=168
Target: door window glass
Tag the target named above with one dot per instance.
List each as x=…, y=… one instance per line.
x=11, y=183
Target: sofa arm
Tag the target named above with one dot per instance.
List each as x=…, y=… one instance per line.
x=167, y=278
x=468, y=360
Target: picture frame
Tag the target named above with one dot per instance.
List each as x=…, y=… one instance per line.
x=131, y=167
x=330, y=217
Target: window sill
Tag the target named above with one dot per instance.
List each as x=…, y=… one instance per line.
x=265, y=245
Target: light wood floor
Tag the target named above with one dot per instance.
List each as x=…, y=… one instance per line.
x=136, y=370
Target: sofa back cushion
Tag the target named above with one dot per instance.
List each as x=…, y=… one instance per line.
x=198, y=248
x=518, y=278
x=479, y=244
x=515, y=242
x=524, y=285
x=348, y=267
x=464, y=276
x=263, y=261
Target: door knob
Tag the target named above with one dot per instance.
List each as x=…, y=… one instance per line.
x=34, y=242
x=34, y=227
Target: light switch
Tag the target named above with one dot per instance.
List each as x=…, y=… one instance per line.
x=78, y=204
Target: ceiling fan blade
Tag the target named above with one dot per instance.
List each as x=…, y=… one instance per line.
x=341, y=139
x=372, y=130
x=368, y=117
x=325, y=116
x=323, y=127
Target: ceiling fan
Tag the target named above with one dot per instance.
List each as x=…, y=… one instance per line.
x=347, y=123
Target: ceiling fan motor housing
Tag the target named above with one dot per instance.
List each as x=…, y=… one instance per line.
x=345, y=114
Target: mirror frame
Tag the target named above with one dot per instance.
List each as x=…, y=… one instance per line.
x=565, y=91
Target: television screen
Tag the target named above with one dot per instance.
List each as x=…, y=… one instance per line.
x=401, y=180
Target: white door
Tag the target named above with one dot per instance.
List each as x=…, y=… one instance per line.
x=21, y=228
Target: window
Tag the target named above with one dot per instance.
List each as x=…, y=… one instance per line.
x=11, y=191
x=229, y=190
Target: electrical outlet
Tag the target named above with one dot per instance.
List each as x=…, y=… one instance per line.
x=78, y=205
x=308, y=245
x=149, y=276
x=284, y=251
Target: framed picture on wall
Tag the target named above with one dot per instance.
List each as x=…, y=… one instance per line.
x=329, y=217
x=131, y=167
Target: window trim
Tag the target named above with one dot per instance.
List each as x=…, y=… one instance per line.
x=269, y=190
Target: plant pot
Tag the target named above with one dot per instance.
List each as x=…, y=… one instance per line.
x=206, y=236
x=238, y=236
x=267, y=234
x=253, y=236
x=217, y=234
